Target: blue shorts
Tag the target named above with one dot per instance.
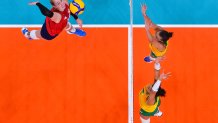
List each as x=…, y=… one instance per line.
x=44, y=33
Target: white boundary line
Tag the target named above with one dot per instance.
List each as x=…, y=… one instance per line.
x=86, y=26
x=130, y=75
x=115, y=25
x=130, y=66
x=181, y=25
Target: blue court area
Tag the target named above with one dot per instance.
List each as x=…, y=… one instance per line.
x=117, y=12
x=96, y=12
x=178, y=11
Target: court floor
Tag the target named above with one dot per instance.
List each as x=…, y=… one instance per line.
x=68, y=80
x=191, y=90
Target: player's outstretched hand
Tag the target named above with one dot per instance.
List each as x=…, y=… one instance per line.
x=33, y=3
x=79, y=22
x=164, y=75
x=143, y=8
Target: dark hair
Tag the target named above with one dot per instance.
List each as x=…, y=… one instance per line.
x=161, y=92
x=165, y=35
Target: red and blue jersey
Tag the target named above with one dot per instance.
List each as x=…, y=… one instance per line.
x=55, y=28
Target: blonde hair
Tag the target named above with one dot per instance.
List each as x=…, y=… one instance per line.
x=52, y=3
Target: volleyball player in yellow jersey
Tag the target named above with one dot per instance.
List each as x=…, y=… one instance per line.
x=159, y=41
x=149, y=96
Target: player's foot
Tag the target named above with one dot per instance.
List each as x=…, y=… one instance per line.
x=78, y=32
x=24, y=32
x=148, y=59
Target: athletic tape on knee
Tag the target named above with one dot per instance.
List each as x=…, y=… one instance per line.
x=33, y=34
x=157, y=66
x=156, y=85
x=145, y=121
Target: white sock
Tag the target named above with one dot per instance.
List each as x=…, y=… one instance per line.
x=70, y=28
x=145, y=121
x=33, y=34
x=73, y=30
x=152, y=58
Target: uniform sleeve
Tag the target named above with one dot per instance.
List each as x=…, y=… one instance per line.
x=74, y=16
x=45, y=11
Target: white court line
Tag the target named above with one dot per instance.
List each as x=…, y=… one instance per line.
x=181, y=25
x=130, y=66
x=130, y=75
x=115, y=25
x=85, y=26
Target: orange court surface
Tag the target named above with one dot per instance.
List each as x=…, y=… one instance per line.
x=85, y=79
x=67, y=80
x=192, y=89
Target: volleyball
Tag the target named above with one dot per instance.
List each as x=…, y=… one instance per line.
x=77, y=7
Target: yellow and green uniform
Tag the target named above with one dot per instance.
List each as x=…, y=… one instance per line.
x=145, y=109
x=155, y=52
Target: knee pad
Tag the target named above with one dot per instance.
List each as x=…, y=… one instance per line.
x=33, y=34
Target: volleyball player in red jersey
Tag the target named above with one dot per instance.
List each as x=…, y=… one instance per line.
x=56, y=20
